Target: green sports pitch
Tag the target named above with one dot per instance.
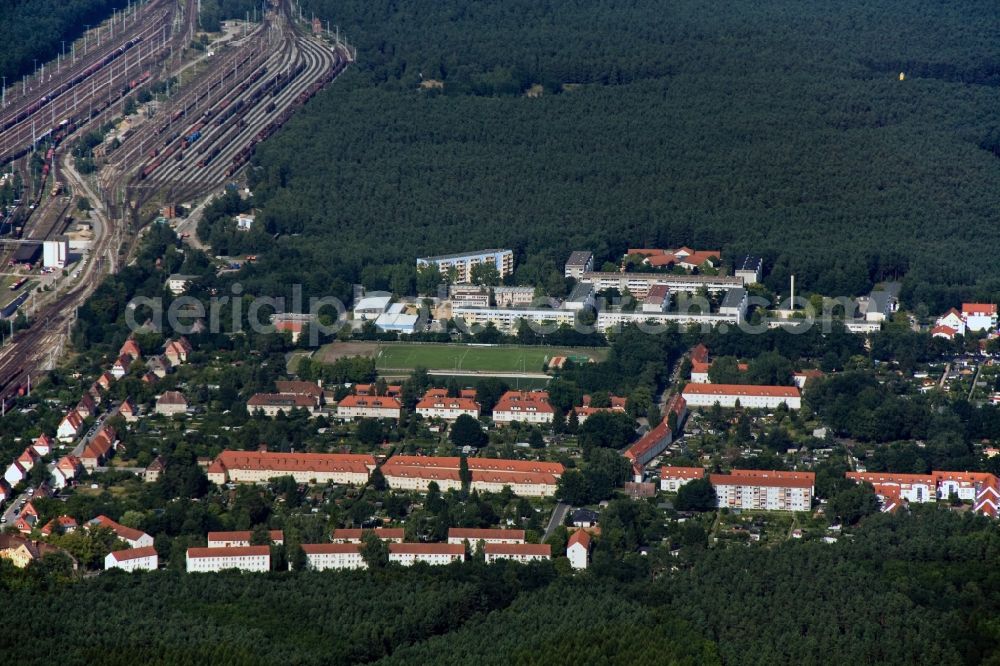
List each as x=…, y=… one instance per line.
x=475, y=358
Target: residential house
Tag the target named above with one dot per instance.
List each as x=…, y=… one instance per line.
x=178, y=284
x=133, y=537
x=22, y=551
x=105, y=380
x=672, y=478
x=100, y=447
x=584, y=518
x=67, y=469
x=171, y=403
x=60, y=525
x=86, y=407
x=159, y=365
x=155, y=470
x=130, y=348
x=69, y=427
x=523, y=406
x=375, y=407
x=15, y=473
x=43, y=445
x=437, y=404
x=121, y=366
x=129, y=411
x=578, y=549
x=177, y=351
x=133, y=559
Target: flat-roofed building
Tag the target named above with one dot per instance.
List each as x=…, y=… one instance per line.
x=579, y=262
x=462, y=263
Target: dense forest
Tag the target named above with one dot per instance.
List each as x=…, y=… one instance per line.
x=34, y=29
x=773, y=127
x=909, y=589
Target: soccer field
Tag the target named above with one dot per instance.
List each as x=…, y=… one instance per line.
x=474, y=358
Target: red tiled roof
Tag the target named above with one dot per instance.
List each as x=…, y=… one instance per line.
x=172, y=398
x=518, y=549
x=770, y=482
x=299, y=388
x=979, y=308
x=243, y=535
x=944, y=330
x=330, y=548
x=133, y=553
x=127, y=533
x=436, y=402
x=281, y=400
x=371, y=401
x=581, y=537
x=380, y=532
x=231, y=551
x=524, y=401
x=426, y=549
x=670, y=472
x=742, y=389
x=292, y=462
x=482, y=464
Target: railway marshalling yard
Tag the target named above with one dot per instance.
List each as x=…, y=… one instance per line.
x=196, y=105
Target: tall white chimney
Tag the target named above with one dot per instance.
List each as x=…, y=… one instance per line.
x=792, y=307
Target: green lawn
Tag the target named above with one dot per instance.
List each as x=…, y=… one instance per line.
x=474, y=358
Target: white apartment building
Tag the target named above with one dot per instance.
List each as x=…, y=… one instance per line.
x=524, y=406
x=473, y=536
x=764, y=490
x=463, y=262
x=244, y=558
x=323, y=556
x=260, y=466
x=368, y=406
x=578, y=549
x=133, y=559
x=241, y=538
x=672, y=478
x=519, y=552
x=579, y=262
x=408, y=554
x=752, y=397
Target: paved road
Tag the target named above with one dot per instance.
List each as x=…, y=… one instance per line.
x=558, y=516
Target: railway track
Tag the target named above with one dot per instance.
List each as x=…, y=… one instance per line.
x=278, y=69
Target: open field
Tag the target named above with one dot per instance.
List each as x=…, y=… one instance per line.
x=474, y=358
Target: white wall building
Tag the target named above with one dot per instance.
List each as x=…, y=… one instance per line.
x=473, y=536
x=578, y=549
x=323, y=556
x=766, y=490
x=519, y=552
x=244, y=558
x=55, y=253
x=752, y=397
x=133, y=559
x=408, y=554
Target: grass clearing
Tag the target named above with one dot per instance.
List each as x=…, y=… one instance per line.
x=402, y=356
